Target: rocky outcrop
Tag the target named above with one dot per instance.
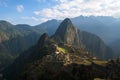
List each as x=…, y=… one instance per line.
x=43, y=40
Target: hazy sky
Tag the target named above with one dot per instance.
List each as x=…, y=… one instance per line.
x=36, y=11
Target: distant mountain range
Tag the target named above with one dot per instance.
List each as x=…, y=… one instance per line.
x=106, y=27
x=67, y=45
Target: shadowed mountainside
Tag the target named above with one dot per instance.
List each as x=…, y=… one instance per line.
x=14, y=39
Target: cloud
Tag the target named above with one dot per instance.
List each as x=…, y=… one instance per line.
x=73, y=8
x=34, y=18
x=20, y=8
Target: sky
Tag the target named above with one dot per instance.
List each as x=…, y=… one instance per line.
x=34, y=12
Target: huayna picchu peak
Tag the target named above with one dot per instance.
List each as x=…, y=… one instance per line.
x=67, y=33
x=63, y=56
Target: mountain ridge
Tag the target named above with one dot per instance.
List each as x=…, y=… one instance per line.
x=69, y=34
x=13, y=35
x=16, y=33
x=48, y=48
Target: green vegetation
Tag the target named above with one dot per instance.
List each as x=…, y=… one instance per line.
x=62, y=50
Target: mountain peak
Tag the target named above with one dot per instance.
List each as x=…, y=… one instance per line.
x=3, y=22
x=43, y=39
x=66, y=23
x=65, y=32
x=67, y=20
x=64, y=26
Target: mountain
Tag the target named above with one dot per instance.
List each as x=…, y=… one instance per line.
x=69, y=34
x=46, y=52
x=106, y=27
x=114, y=29
x=48, y=27
x=67, y=46
x=43, y=70
x=115, y=46
x=66, y=32
x=17, y=34
x=93, y=25
x=103, y=26
x=14, y=39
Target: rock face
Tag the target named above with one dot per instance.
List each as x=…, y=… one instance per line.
x=67, y=33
